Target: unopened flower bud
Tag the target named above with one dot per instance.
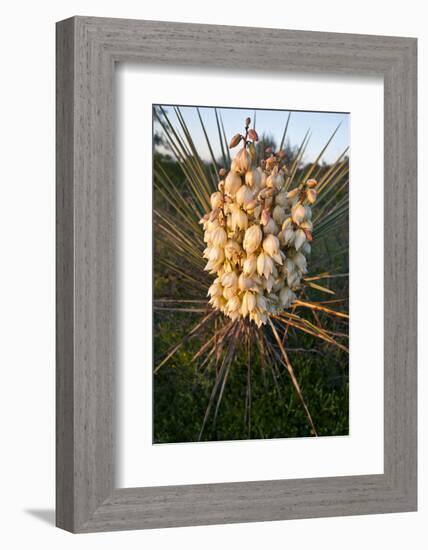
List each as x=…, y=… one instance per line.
x=235, y=140
x=311, y=183
x=293, y=193
x=252, y=134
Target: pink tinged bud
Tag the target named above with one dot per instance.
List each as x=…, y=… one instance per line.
x=252, y=134
x=265, y=217
x=235, y=140
x=251, y=205
x=311, y=183
x=308, y=235
x=293, y=193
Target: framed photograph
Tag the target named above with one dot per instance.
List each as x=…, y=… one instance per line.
x=236, y=274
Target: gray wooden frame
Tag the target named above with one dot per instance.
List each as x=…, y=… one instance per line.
x=87, y=50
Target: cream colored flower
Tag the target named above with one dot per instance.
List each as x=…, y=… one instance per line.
x=233, y=250
x=270, y=228
x=244, y=195
x=230, y=280
x=239, y=220
x=271, y=245
x=252, y=239
x=232, y=183
x=286, y=297
x=243, y=160
x=299, y=239
x=253, y=179
x=264, y=265
x=249, y=266
x=298, y=213
x=300, y=261
x=216, y=200
x=281, y=199
x=278, y=214
x=218, y=236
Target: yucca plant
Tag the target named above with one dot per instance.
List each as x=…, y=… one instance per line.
x=234, y=235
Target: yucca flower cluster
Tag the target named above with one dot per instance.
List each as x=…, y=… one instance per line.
x=258, y=234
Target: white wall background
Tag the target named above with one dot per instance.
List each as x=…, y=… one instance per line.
x=27, y=273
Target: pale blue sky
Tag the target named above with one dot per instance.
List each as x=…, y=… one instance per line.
x=271, y=122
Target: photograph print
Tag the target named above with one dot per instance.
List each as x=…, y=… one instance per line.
x=250, y=274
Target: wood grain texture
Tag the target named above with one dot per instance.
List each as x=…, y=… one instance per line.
x=87, y=50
